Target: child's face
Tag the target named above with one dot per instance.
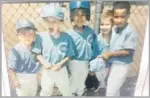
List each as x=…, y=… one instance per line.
x=106, y=25
x=120, y=17
x=79, y=18
x=53, y=25
x=27, y=37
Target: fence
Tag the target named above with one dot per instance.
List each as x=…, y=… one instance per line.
x=11, y=12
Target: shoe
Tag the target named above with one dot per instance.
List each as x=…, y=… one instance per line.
x=74, y=94
x=85, y=92
x=96, y=89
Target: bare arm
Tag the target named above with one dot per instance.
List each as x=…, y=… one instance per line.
x=106, y=55
x=64, y=61
x=43, y=61
x=120, y=53
x=13, y=77
x=12, y=74
x=59, y=65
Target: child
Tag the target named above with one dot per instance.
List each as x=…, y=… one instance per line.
x=103, y=40
x=22, y=67
x=122, y=46
x=54, y=49
x=85, y=42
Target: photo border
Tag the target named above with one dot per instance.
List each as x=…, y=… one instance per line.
x=33, y=1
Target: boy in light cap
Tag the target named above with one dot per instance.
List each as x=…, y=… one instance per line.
x=54, y=49
x=22, y=66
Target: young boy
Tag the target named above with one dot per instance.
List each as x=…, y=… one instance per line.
x=104, y=41
x=54, y=49
x=122, y=46
x=85, y=42
x=22, y=66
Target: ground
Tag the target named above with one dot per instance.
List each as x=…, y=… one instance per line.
x=126, y=90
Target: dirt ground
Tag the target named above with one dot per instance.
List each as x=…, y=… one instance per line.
x=126, y=90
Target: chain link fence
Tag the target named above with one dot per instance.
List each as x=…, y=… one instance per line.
x=13, y=11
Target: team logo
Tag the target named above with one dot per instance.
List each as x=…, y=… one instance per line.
x=90, y=39
x=62, y=48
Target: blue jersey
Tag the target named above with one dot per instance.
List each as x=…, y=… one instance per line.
x=126, y=39
x=21, y=60
x=53, y=49
x=103, y=44
x=86, y=44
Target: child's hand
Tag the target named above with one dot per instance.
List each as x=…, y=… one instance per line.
x=48, y=67
x=106, y=55
x=57, y=67
x=16, y=84
x=99, y=56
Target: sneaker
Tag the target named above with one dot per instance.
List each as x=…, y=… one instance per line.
x=85, y=93
x=85, y=89
x=96, y=89
x=74, y=94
